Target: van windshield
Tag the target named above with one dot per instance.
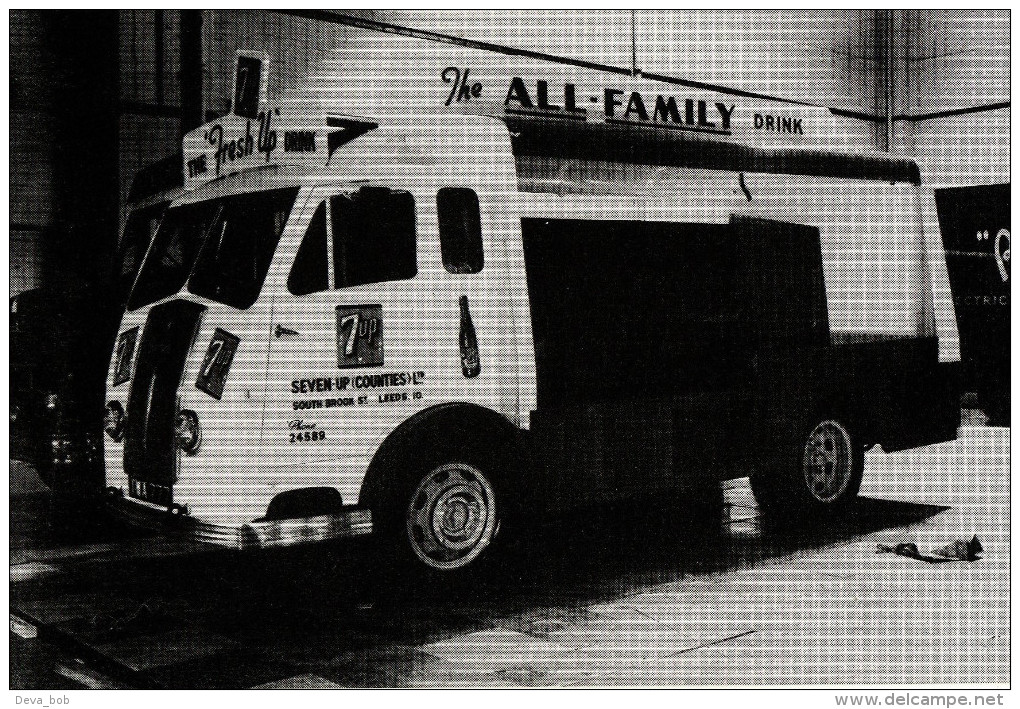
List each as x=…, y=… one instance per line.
x=239, y=247
x=172, y=254
x=220, y=248
x=138, y=232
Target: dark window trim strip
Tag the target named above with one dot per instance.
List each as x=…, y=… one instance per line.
x=859, y=115
x=953, y=112
x=655, y=146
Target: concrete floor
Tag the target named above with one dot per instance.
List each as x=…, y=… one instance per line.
x=608, y=598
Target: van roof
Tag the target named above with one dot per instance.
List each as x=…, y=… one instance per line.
x=551, y=109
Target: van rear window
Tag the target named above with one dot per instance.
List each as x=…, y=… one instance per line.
x=374, y=237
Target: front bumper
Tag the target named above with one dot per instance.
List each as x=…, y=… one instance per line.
x=351, y=522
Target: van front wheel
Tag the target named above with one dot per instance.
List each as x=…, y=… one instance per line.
x=451, y=517
x=441, y=515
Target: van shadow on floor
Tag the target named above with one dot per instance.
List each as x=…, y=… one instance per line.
x=310, y=603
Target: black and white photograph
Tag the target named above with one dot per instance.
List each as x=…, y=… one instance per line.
x=510, y=349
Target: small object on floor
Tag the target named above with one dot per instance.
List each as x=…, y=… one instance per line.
x=908, y=549
x=959, y=550
x=962, y=550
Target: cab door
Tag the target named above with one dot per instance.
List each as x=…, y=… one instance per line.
x=194, y=406
x=340, y=369
x=385, y=311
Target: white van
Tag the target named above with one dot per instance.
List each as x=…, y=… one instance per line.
x=441, y=288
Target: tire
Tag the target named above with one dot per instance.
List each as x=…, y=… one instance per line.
x=996, y=407
x=824, y=471
x=444, y=514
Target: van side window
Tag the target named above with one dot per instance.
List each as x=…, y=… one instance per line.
x=310, y=272
x=460, y=230
x=374, y=237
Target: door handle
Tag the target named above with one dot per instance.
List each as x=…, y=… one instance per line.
x=280, y=331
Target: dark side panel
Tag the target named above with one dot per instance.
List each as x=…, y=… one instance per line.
x=645, y=343
x=634, y=310
x=975, y=229
x=670, y=353
x=903, y=394
x=786, y=283
x=893, y=391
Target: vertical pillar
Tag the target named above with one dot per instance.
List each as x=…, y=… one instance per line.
x=890, y=79
x=159, y=55
x=192, y=109
x=86, y=130
x=883, y=53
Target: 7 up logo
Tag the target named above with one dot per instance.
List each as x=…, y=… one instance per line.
x=359, y=336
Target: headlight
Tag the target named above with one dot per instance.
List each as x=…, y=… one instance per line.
x=52, y=401
x=113, y=421
x=187, y=432
x=65, y=450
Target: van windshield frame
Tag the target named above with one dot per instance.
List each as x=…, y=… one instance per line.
x=139, y=229
x=172, y=254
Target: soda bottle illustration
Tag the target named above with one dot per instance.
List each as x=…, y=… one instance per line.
x=469, y=360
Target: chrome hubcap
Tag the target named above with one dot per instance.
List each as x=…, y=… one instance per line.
x=827, y=461
x=451, y=518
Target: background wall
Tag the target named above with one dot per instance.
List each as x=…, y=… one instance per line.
x=63, y=143
x=31, y=169
x=955, y=60
x=96, y=96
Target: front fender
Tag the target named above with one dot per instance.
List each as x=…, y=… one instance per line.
x=445, y=423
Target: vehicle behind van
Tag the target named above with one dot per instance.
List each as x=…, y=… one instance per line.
x=976, y=233
x=61, y=339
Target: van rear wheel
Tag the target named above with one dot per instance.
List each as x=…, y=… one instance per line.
x=832, y=464
x=824, y=471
